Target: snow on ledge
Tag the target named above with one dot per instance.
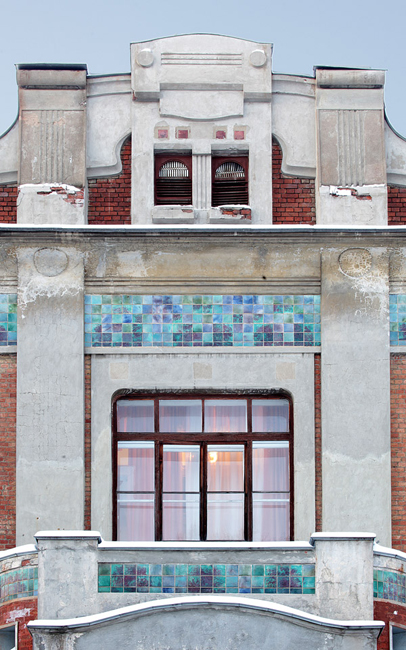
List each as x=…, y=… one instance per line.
x=205, y=546
x=340, y=536
x=188, y=602
x=389, y=552
x=18, y=550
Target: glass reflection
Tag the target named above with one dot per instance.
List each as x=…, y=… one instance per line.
x=270, y=466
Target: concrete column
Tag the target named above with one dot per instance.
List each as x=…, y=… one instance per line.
x=67, y=573
x=344, y=575
x=351, y=160
x=50, y=391
x=356, y=391
x=202, y=181
x=52, y=144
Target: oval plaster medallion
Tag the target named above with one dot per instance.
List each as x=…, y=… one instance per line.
x=50, y=261
x=355, y=262
x=145, y=58
x=258, y=58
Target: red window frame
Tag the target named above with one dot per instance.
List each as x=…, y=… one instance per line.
x=203, y=439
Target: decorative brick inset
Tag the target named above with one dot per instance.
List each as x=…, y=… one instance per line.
x=398, y=446
x=293, y=198
x=318, y=440
x=110, y=198
x=88, y=441
x=396, y=206
x=8, y=383
x=207, y=578
x=8, y=203
x=201, y=321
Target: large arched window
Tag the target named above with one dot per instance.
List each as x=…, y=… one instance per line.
x=203, y=468
x=173, y=179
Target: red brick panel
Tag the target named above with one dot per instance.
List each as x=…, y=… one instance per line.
x=293, y=199
x=317, y=439
x=21, y=611
x=398, y=449
x=8, y=203
x=384, y=611
x=8, y=375
x=396, y=206
x=87, y=441
x=110, y=198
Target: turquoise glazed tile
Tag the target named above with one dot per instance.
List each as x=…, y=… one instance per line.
x=194, y=321
x=8, y=319
x=208, y=578
x=21, y=583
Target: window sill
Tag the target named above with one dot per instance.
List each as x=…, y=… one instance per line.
x=230, y=214
x=173, y=214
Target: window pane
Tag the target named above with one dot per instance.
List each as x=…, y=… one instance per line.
x=225, y=415
x=225, y=517
x=225, y=468
x=180, y=415
x=270, y=415
x=135, y=467
x=135, y=517
x=135, y=416
x=181, y=468
x=180, y=516
x=270, y=466
x=271, y=517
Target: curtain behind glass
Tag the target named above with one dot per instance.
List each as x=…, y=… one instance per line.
x=135, y=416
x=225, y=415
x=270, y=485
x=135, y=487
x=225, y=492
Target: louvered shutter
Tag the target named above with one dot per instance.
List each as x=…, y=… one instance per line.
x=173, y=180
x=230, y=181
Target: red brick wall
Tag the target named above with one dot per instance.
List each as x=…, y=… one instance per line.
x=110, y=198
x=87, y=441
x=293, y=199
x=8, y=375
x=384, y=611
x=396, y=206
x=21, y=610
x=317, y=438
x=398, y=449
x=8, y=203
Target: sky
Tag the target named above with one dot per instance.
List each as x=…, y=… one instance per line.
x=305, y=33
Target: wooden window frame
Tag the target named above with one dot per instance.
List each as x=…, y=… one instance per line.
x=203, y=439
x=216, y=161
x=159, y=160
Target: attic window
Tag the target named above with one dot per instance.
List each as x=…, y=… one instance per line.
x=173, y=180
x=230, y=181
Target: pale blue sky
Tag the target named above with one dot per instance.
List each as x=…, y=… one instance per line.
x=304, y=33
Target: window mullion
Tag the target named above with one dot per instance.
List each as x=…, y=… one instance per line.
x=203, y=491
x=158, y=489
x=248, y=492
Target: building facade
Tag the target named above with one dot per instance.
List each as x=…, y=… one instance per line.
x=202, y=355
